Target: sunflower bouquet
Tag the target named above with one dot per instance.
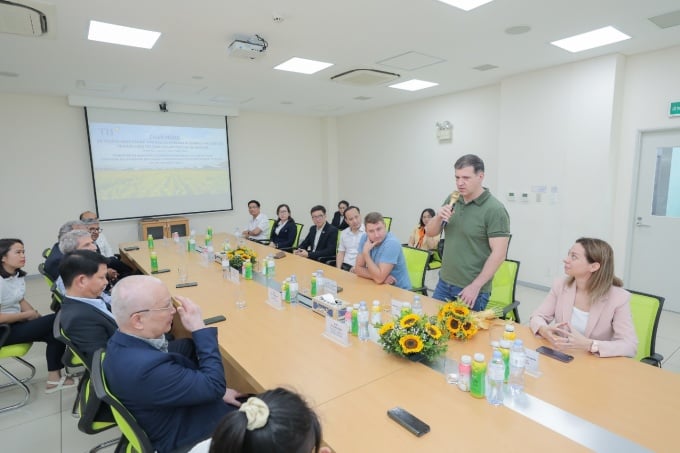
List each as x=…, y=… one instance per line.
x=414, y=335
x=462, y=323
x=241, y=255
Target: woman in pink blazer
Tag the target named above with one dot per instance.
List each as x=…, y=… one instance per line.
x=588, y=310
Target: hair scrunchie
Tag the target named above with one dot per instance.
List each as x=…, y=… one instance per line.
x=257, y=413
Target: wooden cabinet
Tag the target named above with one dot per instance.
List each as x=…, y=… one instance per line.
x=163, y=228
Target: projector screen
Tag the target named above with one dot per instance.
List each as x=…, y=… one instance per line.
x=147, y=164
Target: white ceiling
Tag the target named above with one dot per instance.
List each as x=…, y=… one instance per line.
x=190, y=63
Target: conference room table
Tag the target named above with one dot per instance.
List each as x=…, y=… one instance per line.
x=592, y=403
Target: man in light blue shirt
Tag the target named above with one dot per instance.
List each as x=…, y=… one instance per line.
x=380, y=256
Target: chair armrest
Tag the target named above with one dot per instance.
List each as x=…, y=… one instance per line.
x=510, y=307
x=654, y=360
x=261, y=241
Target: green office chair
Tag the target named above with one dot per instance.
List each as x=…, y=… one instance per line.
x=57, y=297
x=417, y=261
x=94, y=415
x=15, y=351
x=48, y=279
x=388, y=223
x=646, y=311
x=299, y=228
x=46, y=252
x=134, y=438
x=503, y=288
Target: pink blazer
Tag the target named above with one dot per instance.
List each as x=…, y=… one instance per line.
x=609, y=321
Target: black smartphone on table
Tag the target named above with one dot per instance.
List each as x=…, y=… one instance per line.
x=409, y=421
x=557, y=355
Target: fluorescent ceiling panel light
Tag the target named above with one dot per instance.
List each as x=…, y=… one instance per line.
x=466, y=5
x=414, y=85
x=302, y=65
x=125, y=36
x=591, y=39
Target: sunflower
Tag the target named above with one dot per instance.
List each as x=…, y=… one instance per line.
x=461, y=312
x=433, y=331
x=453, y=325
x=469, y=328
x=386, y=328
x=411, y=343
x=409, y=320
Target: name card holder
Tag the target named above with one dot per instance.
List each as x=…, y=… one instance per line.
x=531, y=367
x=336, y=331
x=274, y=299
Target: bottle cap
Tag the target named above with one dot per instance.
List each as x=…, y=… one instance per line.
x=349, y=309
x=505, y=344
x=479, y=357
x=495, y=344
x=356, y=306
x=497, y=355
x=519, y=342
x=466, y=359
x=509, y=328
x=376, y=303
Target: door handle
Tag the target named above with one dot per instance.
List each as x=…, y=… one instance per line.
x=639, y=223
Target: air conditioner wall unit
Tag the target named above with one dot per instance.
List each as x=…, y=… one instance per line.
x=20, y=19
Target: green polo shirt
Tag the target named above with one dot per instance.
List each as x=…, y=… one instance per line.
x=466, y=245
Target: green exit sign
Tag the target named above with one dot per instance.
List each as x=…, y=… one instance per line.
x=674, y=109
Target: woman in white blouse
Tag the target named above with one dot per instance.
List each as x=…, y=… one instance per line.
x=26, y=324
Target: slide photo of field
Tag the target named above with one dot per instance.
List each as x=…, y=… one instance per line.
x=130, y=184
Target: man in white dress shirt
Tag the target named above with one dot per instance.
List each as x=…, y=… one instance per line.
x=348, y=249
x=258, y=227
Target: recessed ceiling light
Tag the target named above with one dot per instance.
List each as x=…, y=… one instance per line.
x=414, y=85
x=302, y=65
x=466, y=5
x=590, y=40
x=125, y=36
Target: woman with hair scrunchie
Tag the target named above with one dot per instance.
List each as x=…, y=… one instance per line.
x=275, y=421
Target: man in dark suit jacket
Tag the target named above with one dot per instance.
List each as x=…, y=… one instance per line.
x=54, y=258
x=176, y=400
x=322, y=239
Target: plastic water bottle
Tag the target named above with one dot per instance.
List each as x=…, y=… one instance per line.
x=417, y=307
x=478, y=376
x=464, y=373
x=191, y=243
x=355, y=319
x=363, y=322
x=154, y=261
x=348, y=319
x=211, y=254
x=405, y=308
x=319, y=282
x=313, y=288
x=293, y=286
x=376, y=318
x=509, y=333
x=496, y=375
x=248, y=270
x=149, y=241
x=518, y=359
x=226, y=273
x=504, y=347
x=271, y=267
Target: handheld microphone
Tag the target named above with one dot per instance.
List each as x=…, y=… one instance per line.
x=455, y=195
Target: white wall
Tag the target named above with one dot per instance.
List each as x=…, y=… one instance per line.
x=46, y=178
x=390, y=160
x=556, y=127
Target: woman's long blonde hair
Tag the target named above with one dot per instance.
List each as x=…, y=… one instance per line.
x=600, y=281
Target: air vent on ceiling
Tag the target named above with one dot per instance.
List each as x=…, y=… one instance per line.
x=21, y=19
x=365, y=77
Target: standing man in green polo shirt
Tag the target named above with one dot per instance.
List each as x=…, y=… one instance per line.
x=477, y=233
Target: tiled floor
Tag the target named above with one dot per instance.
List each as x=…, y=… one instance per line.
x=45, y=424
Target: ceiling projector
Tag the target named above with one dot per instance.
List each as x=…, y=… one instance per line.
x=247, y=49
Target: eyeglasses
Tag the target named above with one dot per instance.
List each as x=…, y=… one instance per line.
x=169, y=307
x=318, y=216
x=95, y=230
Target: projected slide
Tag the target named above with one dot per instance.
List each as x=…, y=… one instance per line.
x=143, y=170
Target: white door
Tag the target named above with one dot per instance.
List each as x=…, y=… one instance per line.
x=655, y=254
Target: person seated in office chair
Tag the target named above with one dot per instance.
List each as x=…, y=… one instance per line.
x=589, y=310
x=55, y=256
x=339, y=220
x=284, y=229
x=117, y=269
x=348, y=249
x=27, y=325
x=419, y=238
x=176, y=400
x=321, y=239
x=275, y=421
x=258, y=226
x=380, y=256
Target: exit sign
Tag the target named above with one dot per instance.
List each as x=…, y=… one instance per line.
x=674, y=109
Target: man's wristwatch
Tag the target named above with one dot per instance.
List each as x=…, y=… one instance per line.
x=594, y=347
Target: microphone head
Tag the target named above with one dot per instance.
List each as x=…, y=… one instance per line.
x=455, y=195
